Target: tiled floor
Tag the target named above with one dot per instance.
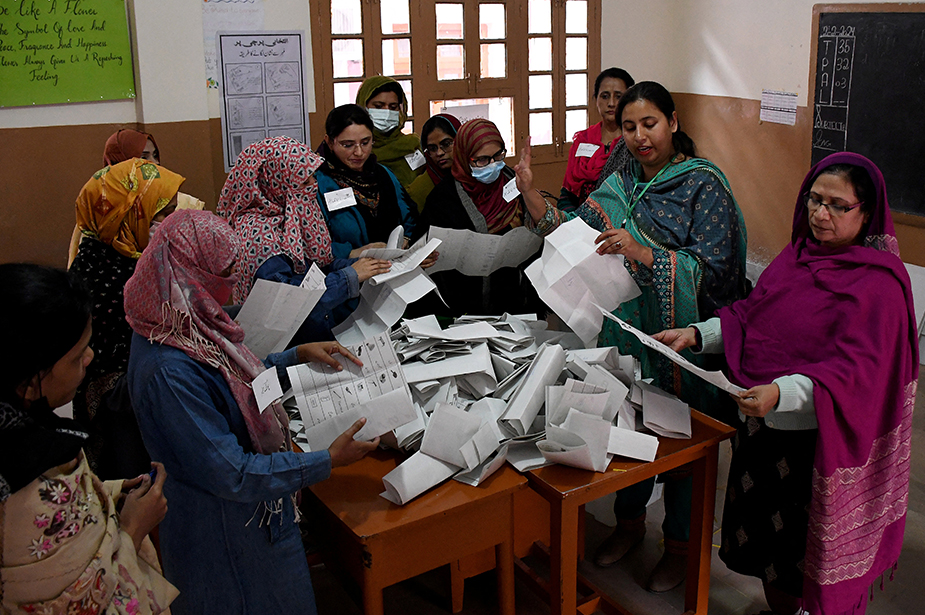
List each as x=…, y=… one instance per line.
x=730, y=594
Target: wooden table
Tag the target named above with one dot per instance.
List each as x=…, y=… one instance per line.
x=377, y=543
x=568, y=489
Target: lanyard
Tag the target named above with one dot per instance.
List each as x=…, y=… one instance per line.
x=633, y=200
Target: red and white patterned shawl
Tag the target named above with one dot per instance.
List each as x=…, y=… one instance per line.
x=274, y=209
x=175, y=298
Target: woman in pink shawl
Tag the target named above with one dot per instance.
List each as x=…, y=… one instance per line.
x=826, y=346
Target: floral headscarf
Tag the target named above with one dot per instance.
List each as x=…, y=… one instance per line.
x=273, y=208
x=488, y=198
x=117, y=204
x=176, y=297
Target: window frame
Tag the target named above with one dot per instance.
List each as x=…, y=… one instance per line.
x=426, y=86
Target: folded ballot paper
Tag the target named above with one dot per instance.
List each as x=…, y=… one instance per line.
x=329, y=401
x=527, y=401
x=403, y=261
x=273, y=312
x=571, y=277
x=455, y=441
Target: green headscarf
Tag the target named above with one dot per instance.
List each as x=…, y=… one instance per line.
x=390, y=149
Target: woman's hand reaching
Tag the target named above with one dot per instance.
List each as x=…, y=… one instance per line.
x=370, y=267
x=619, y=241
x=759, y=400
x=677, y=339
x=144, y=506
x=323, y=352
x=345, y=450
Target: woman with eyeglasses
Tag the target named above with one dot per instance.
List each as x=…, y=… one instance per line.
x=362, y=200
x=827, y=348
x=437, y=137
x=673, y=218
x=593, y=147
x=472, y=198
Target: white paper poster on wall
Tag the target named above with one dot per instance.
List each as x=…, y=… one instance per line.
x=226, y=16
x=262, y=88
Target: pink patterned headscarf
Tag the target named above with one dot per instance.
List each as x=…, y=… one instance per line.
x=844, y=318
x=175, y=298
x=273, y=209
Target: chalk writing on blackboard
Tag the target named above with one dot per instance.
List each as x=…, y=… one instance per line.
x=58, y=51
x=835, y=61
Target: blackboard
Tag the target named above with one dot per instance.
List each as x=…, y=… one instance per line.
x=869, y=93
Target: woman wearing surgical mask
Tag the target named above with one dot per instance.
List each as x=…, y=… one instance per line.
x=472, y=198
x=384, y=100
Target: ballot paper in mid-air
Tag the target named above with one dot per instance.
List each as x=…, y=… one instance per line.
x=481, y=254
x=329, y=401
x=272, y=313
x=571, y=277
x=717, y=379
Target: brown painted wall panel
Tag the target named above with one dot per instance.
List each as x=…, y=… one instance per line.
x=43, y=169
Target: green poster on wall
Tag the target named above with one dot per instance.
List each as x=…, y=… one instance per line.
x=59, y=51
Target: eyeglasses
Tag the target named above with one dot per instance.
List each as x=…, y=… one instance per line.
x=484, y=161
x=443, y=146
x=352, y=145
x=836, y=211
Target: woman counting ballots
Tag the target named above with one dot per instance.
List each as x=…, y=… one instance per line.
x=674, y=219
x=827, y=346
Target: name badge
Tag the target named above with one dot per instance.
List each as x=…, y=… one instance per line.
x=510, y=191
x=586, y=150
x=340, y=199
x=415, y=159
x=267, y=389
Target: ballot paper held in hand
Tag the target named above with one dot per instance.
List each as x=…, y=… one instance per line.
x=481, y=254
x=272, y=313
x=717, y=379
x=329, y=401
x=571, y=277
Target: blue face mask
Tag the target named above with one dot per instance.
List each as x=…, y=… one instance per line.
x=488, y=174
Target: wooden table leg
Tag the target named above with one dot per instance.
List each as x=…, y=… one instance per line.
x=701, y=538
x=563, y=560
x=504, y=557
x=457, y=586
x=372, y=599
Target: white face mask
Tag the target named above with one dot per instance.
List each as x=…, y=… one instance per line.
x=384, y=120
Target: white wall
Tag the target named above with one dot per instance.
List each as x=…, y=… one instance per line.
x=169, y=68
x=731, y=48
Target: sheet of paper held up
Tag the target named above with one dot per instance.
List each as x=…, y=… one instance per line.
x=569, y=274
x=330, y=401
x=403, y=261
x=717, y=379
x=481, y=254
x=382, y=306
x=272, y=313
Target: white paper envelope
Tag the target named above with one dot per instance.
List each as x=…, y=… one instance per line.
x=664, y=413
x=632, y=444
x=414, y=476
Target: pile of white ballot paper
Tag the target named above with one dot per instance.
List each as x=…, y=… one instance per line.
x=485, y=391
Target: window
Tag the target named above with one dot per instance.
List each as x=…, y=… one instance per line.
x=524, y=64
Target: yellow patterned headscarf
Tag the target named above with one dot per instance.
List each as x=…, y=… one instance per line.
x=117, y=204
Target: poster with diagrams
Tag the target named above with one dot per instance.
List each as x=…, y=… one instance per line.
x=263, y=89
